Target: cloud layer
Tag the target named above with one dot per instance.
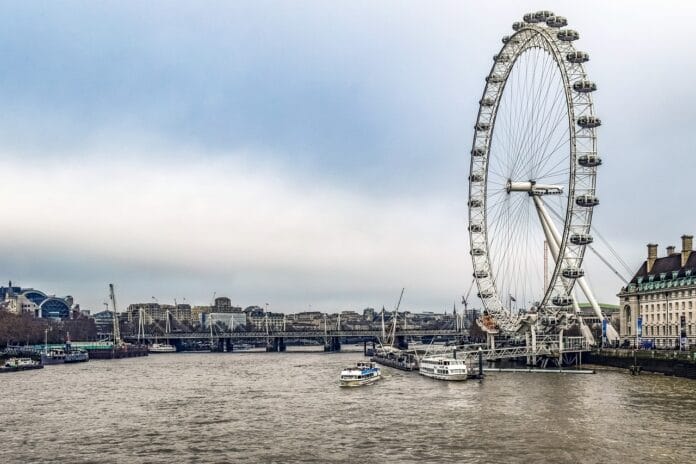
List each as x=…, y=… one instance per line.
x=303, y=153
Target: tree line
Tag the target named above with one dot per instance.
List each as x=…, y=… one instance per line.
x=22, y=329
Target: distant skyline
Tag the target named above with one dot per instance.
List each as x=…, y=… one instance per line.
x=304, y=153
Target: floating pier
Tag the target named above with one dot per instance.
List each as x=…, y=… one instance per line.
x=535, y=370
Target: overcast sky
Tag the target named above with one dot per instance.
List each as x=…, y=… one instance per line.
x=304, y=154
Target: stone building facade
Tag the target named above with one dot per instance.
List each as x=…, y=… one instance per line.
x=658, y=306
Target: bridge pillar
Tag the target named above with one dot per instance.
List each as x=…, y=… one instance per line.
x=560, y=348
x=332, y=345
x=490, y=341
x=276, y=345
x=401, y=342
x=534, y=345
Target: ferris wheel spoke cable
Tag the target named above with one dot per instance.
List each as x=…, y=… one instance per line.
x=613, y=252
x=541, y=113
x=561, y=139
x=533, y=147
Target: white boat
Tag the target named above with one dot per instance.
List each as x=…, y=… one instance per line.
x=20, y=362
x=443, y=368
x=161, y=348
x=362, y=374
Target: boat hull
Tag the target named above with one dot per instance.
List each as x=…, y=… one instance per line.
x=76, y=357
x=156, y=348
x=359, y=383
x=23, y=364
x=453, y=377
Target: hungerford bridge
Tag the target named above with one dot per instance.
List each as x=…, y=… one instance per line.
x=540, y=350
x=275, y=340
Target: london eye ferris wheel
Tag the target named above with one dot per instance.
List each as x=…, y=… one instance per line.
x=532, y=179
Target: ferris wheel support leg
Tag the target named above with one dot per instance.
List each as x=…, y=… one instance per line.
x=490, y=340
x=554, y=239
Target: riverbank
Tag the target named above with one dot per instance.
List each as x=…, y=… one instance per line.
x=675, y=363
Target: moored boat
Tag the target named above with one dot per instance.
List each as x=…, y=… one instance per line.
x=406, y=360
x=74, y=355
x=20, y=364
x=161, y=348
x=443, y=368
x=67, y=354
x=53, y=356
x=363, y=373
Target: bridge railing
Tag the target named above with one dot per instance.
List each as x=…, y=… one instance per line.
x=299, y=334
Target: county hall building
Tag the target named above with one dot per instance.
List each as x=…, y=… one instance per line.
x=658, y=304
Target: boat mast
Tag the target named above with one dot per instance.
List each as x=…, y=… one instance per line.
x=384, y=331
x=141, y=326
x=117, y=330
x=396, y=317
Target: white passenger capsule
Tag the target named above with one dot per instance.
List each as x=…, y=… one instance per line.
x=475, y=227
x=484, y=295
x=482, y=126
x=542, y=16
x=589, y=121
x=587, y=201
x=589, y=161
x=530, y=18
x=517, y=25
x=501, y=58
x=584, y=86
x=475, y=203
x=581, y=239
x=480, y=274
x=494, y=79
x=556, y=21
x=477, y=252
x=487, y=102
x=578, y=57
x=562, y=300
x=476, y=178
x=568, y=35
x=572, y=273
x=478, y=152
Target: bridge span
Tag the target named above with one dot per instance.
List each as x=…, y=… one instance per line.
x=275, y=340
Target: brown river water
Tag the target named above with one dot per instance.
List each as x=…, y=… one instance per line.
x=287, y=407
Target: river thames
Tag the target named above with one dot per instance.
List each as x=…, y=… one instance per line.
x=287, y=407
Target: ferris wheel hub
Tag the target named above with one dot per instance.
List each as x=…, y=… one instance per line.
x=532, y=188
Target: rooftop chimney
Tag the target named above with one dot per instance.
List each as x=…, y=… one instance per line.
x=687, y=245
x=670, y=250
x=652, y=255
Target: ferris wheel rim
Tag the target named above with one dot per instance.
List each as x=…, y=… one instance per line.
x=569, y=61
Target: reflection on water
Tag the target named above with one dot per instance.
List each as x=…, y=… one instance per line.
x=287, y=407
